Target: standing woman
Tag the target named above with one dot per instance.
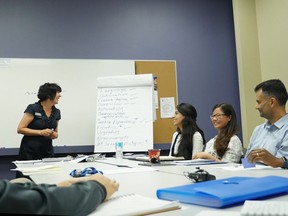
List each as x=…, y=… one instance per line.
x=39, y=124
x=189, y=138
x=226, y=145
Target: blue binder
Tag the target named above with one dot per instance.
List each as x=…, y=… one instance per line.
x=224, y=192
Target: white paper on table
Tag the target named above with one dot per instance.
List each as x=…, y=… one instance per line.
x=193, y=161
x=26, y=161
x=134, y=204
x=39, y=169
x=238, y=167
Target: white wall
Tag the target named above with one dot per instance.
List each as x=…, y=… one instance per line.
x=272, y=18
x=261, y=40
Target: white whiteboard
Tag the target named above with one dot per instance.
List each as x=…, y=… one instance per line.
x=21, y=78
x=124, y=113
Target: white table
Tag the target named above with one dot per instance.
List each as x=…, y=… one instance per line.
x=138, y=179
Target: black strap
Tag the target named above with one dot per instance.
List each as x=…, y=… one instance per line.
x=173, y=146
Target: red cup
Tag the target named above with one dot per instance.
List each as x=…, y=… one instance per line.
x=154, y=155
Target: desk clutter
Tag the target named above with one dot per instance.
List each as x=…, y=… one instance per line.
x=68, y=158
x=201, y=188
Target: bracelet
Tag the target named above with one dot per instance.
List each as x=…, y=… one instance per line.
x=285, y=166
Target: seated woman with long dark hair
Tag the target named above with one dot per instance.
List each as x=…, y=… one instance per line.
x=189, y=138
x=226, y=145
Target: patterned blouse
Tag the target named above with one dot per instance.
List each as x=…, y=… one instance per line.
x=233, y=153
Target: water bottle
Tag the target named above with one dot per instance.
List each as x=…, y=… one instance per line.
x=119, y=151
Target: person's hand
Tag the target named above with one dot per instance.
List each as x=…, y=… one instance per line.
x=201, y=155
x=111, y=186
x=53, y=135
x=263, y=156
x=205, y=155
x=46, y=132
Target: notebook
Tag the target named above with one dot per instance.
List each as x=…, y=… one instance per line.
x=224, y=192
x=260, y=208
x=195, y=162
x=162, y=158
x=134, y=204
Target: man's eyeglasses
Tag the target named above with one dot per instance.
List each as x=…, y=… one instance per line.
x=217, y=116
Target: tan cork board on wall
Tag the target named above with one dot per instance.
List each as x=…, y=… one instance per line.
x=165, y=71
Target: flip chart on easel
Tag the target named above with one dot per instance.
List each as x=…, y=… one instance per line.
x=124, y=113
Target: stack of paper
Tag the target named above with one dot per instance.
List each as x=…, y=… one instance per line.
x=162, y=158
x=38, y=169
x=196, y=162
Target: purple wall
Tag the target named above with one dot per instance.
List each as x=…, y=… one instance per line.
x=198, y=34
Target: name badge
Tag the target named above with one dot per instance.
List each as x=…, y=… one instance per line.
x=37, y=114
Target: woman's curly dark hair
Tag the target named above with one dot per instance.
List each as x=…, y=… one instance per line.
x=48, y=91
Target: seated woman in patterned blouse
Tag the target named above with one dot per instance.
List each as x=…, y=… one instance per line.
x=226, y=145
